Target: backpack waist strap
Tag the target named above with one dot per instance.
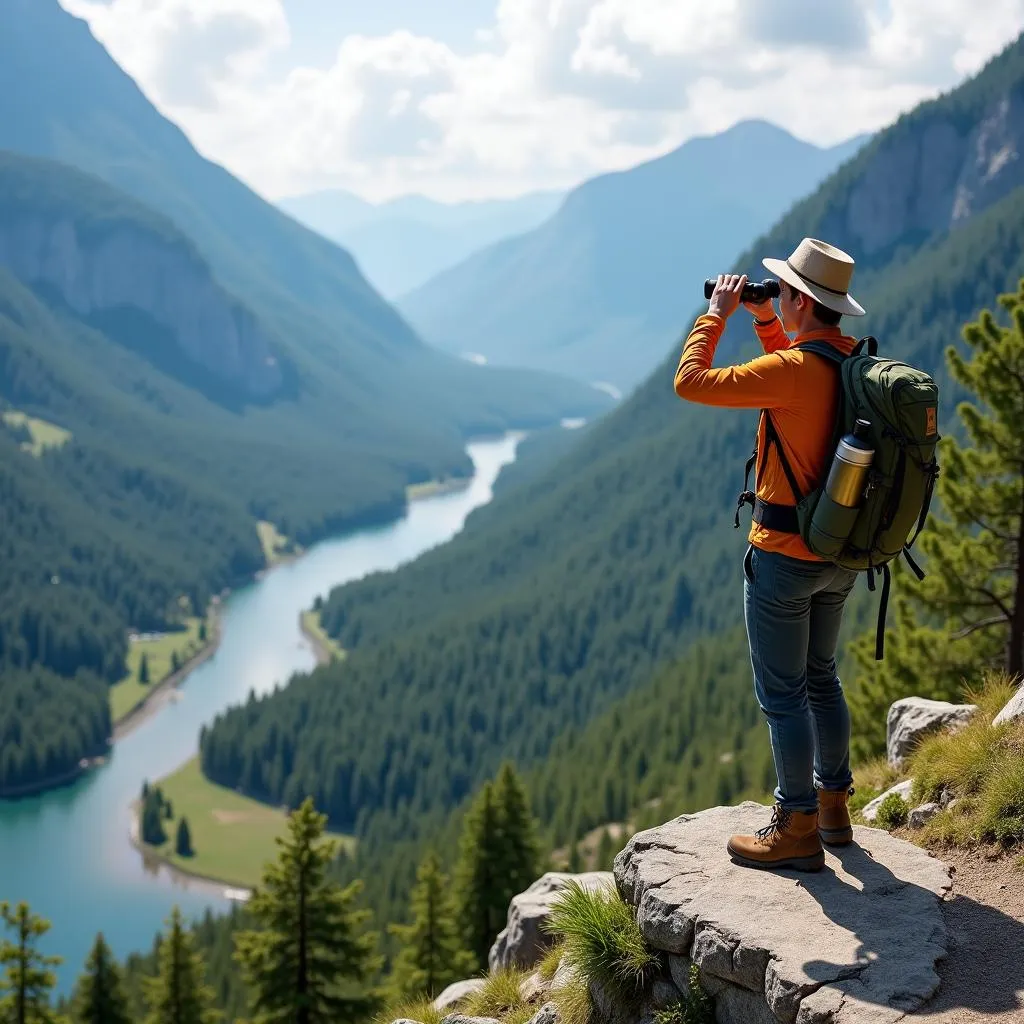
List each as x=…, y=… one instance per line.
x=781, y=518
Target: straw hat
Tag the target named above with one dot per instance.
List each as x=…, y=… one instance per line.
x=821, y=271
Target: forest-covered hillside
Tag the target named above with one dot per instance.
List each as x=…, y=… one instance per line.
x=568, y=592
x=206, y=362
x=117, y=339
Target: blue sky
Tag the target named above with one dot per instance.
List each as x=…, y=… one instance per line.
x=462, y=99
x=319, y=25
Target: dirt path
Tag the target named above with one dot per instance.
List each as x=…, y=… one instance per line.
x=983, y=976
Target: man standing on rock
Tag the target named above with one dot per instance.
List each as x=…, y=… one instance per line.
x=793, y=600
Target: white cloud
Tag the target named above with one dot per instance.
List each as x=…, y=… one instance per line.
x=555, y=91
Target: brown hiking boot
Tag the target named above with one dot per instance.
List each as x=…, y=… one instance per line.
x=834, y=817
x=790, y=840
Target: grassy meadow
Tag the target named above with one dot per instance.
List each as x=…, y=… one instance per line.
x=232, y=836
x=44, y=434
x=159, y=651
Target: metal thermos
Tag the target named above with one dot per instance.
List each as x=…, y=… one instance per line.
x=845, y=484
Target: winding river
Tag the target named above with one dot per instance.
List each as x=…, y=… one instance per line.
x=67, y=852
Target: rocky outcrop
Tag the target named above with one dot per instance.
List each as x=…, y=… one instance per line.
x=131, y=266
x=938, y=176
x=523, y=942
x=856, y=942
x=1014, y=710
x=911, y=719
x=457, y=991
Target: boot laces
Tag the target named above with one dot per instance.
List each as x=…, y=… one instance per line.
x=780, y=821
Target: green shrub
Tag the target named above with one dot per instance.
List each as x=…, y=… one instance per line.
x=603, y=941
x=697, y=1008
x=892, y=812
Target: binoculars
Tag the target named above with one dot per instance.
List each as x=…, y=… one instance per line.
x=753, y=291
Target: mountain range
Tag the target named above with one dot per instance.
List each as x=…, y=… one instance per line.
x=599, y=290
x=402, y=243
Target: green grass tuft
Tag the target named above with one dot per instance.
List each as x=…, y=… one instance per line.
x=550, y=961
x=981, y=766
x=892, y=812
x=872, y=779
x=500, y=995
x=603, y=941
x=573, y=1001
x=421, y=1009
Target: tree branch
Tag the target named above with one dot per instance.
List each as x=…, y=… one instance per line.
x=984, y=624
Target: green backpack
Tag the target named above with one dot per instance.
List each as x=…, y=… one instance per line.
x=901, y=404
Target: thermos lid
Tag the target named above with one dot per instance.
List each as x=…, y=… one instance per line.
x=856, y=456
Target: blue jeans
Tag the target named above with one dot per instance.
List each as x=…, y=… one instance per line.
x=793, y=609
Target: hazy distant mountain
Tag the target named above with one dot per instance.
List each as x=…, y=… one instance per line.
x=404, y=242
x=601, y=289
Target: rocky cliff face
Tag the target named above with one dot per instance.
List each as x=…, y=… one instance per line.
x=939, y=176
x=127, y=266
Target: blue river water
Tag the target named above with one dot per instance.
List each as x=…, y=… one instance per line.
x=67, y=852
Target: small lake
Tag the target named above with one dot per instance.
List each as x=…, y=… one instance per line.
x=67, y=852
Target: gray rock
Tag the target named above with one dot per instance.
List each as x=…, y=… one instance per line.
x=523, y=942
x=1014, y=710
x=911, y=719
x=547, y=1014
x=921, y=815
x=457, y=991
x=870, y=810
x=460, y=1018
x=131, y=265
x=532, y=987
x=856, y=941
x=664, y=994
x=565, y=974
x=405, y=1020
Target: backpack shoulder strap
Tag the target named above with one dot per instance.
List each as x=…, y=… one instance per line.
x=869, y=342
x=823, y=348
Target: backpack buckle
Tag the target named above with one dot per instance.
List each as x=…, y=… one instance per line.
x=745, y=498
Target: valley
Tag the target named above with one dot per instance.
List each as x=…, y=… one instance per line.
x=68, y=851
x=378, y=533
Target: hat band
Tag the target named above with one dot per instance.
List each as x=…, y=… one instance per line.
x=810, y=280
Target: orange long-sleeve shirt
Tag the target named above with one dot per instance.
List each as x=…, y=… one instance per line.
x=800, y=389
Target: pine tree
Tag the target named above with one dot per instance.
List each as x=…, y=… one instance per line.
x=519, y=858
x=202, y=632
x=152, y=825
x=27, y=980
x=311, y=950
x=144, y=669
x=967, y=615
x=482, y=891
x=575, y=860
x=432, y=954
x=183, y=840
x=100, y=995
x=179, y=993
x=175, y=661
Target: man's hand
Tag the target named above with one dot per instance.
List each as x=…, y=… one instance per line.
x=725, y=299
x=762, y=310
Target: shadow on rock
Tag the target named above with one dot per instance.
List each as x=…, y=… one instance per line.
x=982, y=970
